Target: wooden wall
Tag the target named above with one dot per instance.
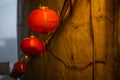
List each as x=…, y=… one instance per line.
x=84, y=47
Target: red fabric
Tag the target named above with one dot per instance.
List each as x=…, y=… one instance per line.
x=43, y=20
x=20, y=67
x=32, y=46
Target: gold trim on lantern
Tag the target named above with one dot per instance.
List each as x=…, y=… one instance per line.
x=43, y=7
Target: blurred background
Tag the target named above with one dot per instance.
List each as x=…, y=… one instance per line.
x=8, y=34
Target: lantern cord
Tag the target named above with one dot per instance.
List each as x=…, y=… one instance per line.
x=21, y=56
x=93, y=42
x=31, y=32
x=43, y=2
x=65, y=8
x=62, y=14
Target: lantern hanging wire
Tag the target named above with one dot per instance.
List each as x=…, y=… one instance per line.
x=43, y=2
x=66, y=5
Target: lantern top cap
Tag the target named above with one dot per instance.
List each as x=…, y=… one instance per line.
x=32, y=36
x=43, y=7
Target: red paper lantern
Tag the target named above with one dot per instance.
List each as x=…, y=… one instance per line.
x=14, y=74
x=43, y=20
x=32, y=46
x=20, y=68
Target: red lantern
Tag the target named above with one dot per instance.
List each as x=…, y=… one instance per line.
x=20, y=67
x=14, y=74
x=43, y=20
x=32, y=46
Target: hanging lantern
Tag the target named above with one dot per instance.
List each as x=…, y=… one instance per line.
x=19, y=68
x=43, y=20
x=15, y=75
x=32, y=46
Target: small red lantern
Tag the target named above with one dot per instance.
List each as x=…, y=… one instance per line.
x=32, y=46
x=20, y=68
x=43, y=20
x=14, y=74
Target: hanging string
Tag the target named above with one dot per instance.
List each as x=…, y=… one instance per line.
x=65, y=7
x=21, y=56
x=43, y=2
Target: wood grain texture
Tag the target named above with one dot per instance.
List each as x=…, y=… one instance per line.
x=70, y=51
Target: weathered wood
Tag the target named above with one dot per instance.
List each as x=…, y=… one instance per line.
x=99, y=29
x=91, y=30
x=117, y=39
x=74, y=39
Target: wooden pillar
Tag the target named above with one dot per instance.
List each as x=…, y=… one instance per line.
x=83, y=48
